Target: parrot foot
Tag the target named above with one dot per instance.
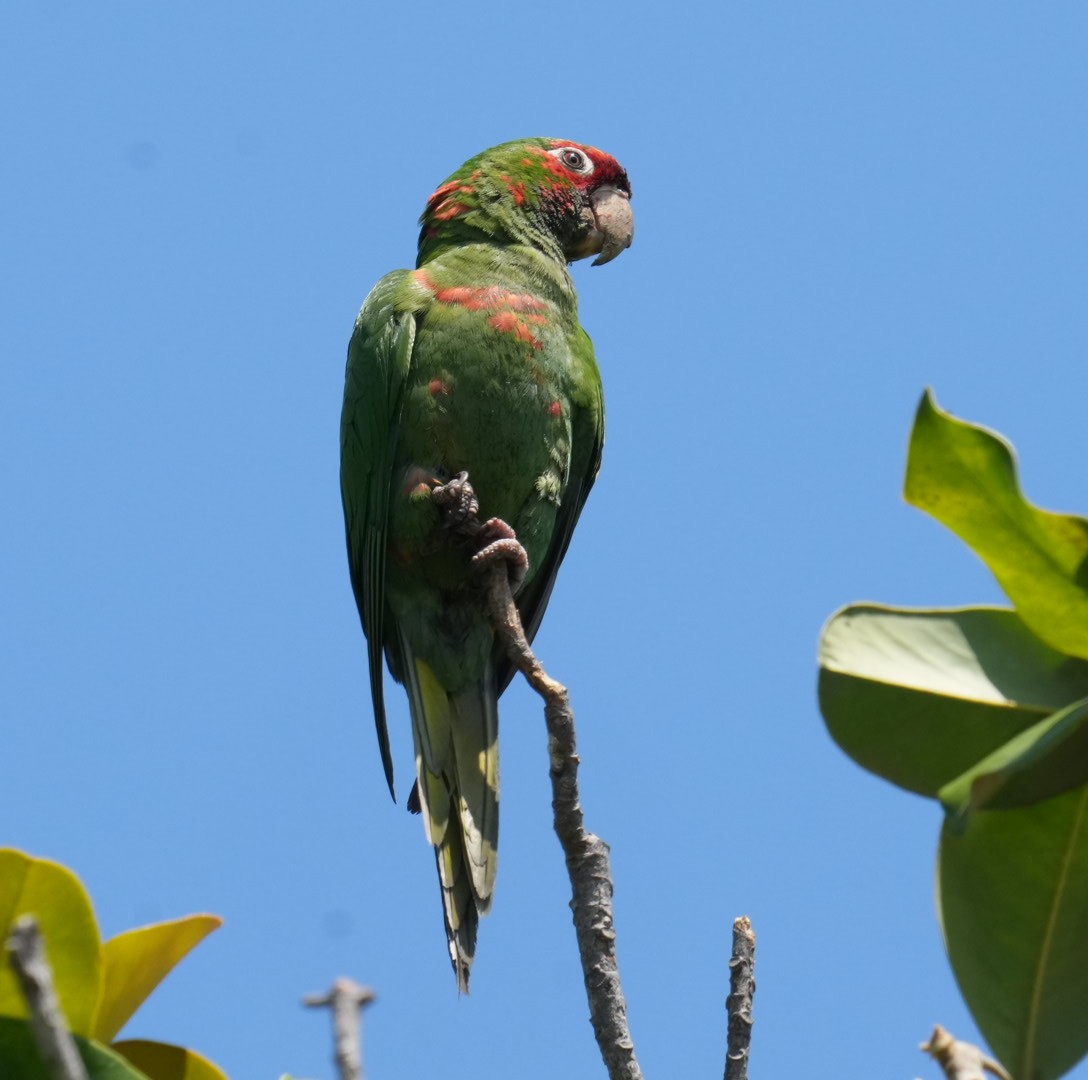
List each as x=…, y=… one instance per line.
x=499, y=541
x=494, y=539
x=457, y=501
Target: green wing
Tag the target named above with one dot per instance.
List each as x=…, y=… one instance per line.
x=587, y=443
x=379, y=356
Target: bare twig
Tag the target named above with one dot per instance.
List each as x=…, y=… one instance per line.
x=347, y=1000
x=26, y=948
x=586, y=855
x=961, y=1060
x=742, y=987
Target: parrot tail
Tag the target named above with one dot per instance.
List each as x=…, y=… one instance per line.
x=457, y=760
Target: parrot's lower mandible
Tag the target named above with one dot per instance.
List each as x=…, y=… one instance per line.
x=473, y=363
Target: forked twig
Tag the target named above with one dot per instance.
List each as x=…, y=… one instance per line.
x=347, y=999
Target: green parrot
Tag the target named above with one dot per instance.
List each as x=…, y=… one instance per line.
x=473, y=363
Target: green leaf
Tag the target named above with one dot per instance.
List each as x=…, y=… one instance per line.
x=161, y=1061
x=921, y=696
x=20, y=1058
x=135, y=962
x=52, y=893
x=965, y=476
x=1013, y=892
x=1048, y=759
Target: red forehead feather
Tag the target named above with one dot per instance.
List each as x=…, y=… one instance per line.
x=605, y=167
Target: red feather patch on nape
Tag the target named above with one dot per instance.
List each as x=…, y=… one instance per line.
x=445, y=189
x=516, y=189
x=447, y=210
x=443, y=206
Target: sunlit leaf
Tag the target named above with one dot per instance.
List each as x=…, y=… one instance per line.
x=160, y=1061
x=921, y=696
x=135, y=962
x=965, y=476
x=1048, y=759
x=54, y=895
x=1013, y=892
x=21, y=1060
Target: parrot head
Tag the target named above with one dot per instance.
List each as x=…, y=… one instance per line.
x=569, y=200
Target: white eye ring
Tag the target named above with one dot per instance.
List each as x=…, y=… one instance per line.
x=574, y=159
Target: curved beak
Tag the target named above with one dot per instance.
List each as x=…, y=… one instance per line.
x=613, y=222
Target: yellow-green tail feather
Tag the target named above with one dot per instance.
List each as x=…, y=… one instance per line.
x=457, y=761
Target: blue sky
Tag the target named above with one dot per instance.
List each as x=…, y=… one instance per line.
x=837, y=205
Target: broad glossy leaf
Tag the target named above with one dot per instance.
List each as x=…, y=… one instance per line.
x=161, y=1061
x=135, y=962
x=921, y=696
x=1013, y=892
x=56, y=896
x=1048, y=759
x=20, y=1059
x=965, y=476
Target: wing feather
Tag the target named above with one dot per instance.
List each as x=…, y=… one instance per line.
x=379, y=356
x=587, y=445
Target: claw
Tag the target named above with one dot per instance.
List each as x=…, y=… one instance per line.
x=457, y=500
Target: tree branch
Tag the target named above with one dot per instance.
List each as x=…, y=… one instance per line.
x=347, y=999
x=499, y=560
x=26, y=948
x=742, y=987
x=587, y=855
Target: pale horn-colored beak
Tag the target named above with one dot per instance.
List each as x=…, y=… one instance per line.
x=613, y=222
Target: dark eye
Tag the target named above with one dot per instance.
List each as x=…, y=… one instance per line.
x=574, y=159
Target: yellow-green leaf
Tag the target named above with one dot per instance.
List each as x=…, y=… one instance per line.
x=965, y=476
x=52, y=893
x=161, y=1061
x=135, y=962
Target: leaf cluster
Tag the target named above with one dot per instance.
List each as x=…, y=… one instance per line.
x=100, y=984
x=985, y=709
